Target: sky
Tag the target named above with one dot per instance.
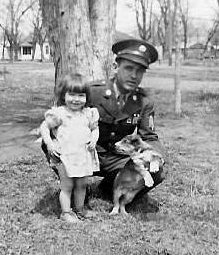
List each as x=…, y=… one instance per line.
x=199, y=10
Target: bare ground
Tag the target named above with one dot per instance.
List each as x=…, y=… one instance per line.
x=187, y=218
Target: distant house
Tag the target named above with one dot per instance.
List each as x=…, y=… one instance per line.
x=26, y=49
x=198, y=51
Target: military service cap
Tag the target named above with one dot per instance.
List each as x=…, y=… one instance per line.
x=136, y=50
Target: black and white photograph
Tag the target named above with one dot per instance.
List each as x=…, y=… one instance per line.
x=109, y=127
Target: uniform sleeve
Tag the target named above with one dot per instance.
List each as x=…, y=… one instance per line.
x=52, y=118
x=146, y=126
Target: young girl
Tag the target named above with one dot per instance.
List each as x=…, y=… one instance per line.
x=75, y=128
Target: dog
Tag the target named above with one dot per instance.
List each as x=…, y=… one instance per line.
x=144, y=161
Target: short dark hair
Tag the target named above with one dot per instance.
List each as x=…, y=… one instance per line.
x=69, y=83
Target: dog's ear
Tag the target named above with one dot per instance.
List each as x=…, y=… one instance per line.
x=139, y=149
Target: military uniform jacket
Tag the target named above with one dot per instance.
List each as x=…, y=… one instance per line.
x=116, y=122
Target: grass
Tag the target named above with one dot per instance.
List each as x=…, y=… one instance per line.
x=187, y=221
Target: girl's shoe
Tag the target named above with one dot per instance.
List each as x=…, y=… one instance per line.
x=85, y=214
x=69, y=217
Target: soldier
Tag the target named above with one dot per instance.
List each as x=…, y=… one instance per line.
x=124, y=107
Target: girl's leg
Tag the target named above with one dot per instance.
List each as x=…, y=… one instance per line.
x=80, y=184
x=67, y=184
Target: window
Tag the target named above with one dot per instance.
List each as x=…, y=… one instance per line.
x=26, y=50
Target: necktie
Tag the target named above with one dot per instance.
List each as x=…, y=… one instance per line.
x=121, y=100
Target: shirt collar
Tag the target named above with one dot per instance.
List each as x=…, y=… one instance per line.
x=118, y=93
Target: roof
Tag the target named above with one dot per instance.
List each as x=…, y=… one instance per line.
x=197, y=46
x=26, y=44
x=120, y=36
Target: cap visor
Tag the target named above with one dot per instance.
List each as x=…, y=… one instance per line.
x=133, y=58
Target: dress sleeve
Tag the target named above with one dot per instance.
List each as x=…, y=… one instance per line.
x=94, y=117
x=52, y=117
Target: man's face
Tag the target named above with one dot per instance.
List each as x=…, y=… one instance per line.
x=129, y=75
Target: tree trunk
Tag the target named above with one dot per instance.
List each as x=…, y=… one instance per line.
x=170, y=32
x=185, y=49
x=75, y=41
x=41, y=53
x=177, y=62
x=3, y=47
x=34, y=50
x=81, y=35
x=102, y=19
x=11, y=50
x=16, y=49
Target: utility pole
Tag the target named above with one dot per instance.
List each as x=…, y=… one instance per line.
x=177, y=59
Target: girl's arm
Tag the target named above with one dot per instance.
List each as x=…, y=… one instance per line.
x=95, y=135
x=94, y=138
x=45, y=133
x=48, y=124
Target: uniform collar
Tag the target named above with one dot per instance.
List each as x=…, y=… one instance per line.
x=132, y=104
x=118, y=93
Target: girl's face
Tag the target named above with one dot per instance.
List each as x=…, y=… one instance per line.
x=75, y=101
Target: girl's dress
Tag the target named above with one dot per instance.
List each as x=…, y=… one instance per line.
x=73, y=131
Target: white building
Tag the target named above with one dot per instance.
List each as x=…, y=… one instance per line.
x=25, y=51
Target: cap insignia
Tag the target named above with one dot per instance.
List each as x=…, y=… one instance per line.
x=134, y=97
x=108, y=92
x=142, y=48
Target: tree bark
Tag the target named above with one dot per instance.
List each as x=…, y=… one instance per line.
x=102, y=20
x=41, y=53
x=177, y=61
x=34, y=50
x=81, y=34
x=170, y=35
x=3, y=48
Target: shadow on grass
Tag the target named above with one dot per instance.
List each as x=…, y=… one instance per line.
x=49, y=205
x=142, y=203
x=98, y=200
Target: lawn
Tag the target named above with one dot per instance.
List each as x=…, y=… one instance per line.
x=181, y=216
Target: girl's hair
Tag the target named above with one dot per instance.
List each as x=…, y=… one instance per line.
x=70, y=83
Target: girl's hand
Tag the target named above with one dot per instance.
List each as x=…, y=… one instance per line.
x=91, y=145
x=54, y=149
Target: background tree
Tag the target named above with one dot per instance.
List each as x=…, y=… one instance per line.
x=177, y=89
x=144, y=18
x=3, y=44
x=211, y=32
x=15, y=12
x=164, y=28
x=81, y=33
x=39, y=30
x=215, y=42
x=184, y=13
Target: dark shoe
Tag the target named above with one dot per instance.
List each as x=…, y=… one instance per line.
x=85, y=214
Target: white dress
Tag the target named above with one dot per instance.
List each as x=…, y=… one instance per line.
x=73, y=133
